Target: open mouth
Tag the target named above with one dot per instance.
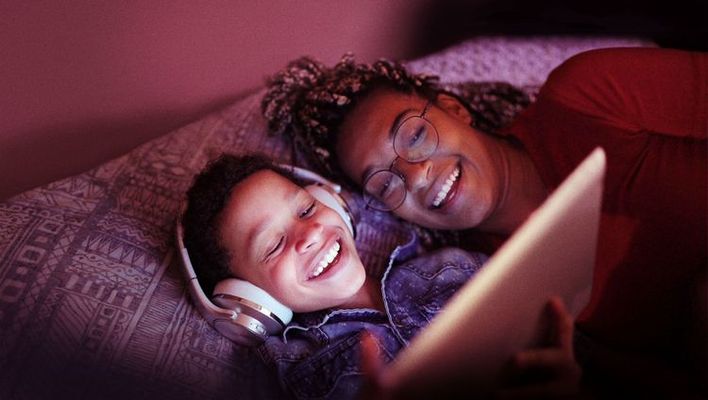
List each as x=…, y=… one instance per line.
x=448, y=189
x=330, y=259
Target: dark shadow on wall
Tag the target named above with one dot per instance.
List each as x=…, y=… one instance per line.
x=678, y=24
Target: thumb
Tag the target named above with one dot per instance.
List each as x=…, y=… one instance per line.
x=371, y=363
x=563, y=324
x=371, y=367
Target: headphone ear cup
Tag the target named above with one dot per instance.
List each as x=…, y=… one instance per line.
x=256, y=313
x=327, y=196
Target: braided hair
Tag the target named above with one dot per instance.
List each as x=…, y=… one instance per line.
x=307, y=101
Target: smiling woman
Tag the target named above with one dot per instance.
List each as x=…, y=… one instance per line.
x=646, y=106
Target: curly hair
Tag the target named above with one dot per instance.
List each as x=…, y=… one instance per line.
x=206, y=198
x=308, y=101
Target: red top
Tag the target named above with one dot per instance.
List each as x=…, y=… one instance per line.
x=648, y=109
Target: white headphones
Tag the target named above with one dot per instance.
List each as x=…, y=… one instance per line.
x=240, y=310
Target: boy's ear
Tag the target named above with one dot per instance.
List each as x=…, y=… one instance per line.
x=453, y=107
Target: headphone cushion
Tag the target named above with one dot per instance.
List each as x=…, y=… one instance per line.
x=248, y=291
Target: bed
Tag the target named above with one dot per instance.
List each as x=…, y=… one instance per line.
x=92, y=301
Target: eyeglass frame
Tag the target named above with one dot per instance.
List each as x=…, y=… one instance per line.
x=369, y=198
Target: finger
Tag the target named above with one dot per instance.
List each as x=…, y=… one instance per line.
x=545, y=363
x=543, y=358
x=370, y=366
x=562, y=324
x=371, y=363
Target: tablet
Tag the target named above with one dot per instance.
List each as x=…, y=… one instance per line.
x=500, y=310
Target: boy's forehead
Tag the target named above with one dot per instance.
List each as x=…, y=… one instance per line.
x=254, y=205
x=260, y=190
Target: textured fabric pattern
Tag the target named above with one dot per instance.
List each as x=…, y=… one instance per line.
x=92, y=301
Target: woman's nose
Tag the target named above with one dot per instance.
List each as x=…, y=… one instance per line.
x=417, y=174
x=309, y=234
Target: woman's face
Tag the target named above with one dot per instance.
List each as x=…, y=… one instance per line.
x=457, y=187
x=290, y=245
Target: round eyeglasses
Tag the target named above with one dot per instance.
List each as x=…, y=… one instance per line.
x=415, y=139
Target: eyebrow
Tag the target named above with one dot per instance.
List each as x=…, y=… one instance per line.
x=266, y=222
x=391, y=133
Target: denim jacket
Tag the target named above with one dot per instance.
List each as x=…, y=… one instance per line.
x=317, y=356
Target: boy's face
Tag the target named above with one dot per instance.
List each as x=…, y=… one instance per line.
x=290, y=245
x=457, y=187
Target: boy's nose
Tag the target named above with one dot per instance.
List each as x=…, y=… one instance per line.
x=310, y=233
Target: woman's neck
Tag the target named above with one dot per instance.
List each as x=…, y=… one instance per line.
x=521, y=190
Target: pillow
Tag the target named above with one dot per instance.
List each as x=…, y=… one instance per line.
x=92, y=301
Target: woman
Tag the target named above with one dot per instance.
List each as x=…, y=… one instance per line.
x=417, y=151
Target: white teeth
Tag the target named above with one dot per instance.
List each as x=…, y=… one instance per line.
x=327, y=259
x=446, y=187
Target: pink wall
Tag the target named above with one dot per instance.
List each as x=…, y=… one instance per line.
x=85, y=81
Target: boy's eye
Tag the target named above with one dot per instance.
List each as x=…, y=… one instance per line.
x=308, y=211
x=275, y=248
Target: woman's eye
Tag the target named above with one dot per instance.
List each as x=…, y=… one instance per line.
x=417, y=136
x=308, y=211
x=384, y=189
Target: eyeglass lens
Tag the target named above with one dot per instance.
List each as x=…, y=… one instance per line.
x=387, y=188
x=415, y=140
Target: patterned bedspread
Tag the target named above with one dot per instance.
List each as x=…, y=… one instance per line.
x=92, y=302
